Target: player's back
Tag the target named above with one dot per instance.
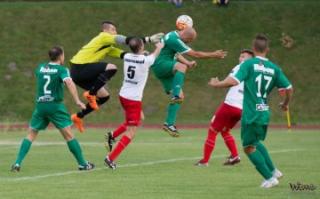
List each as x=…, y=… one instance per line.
x=95, y=50
x=50, y=82
x=135, y=71
x=262, y=76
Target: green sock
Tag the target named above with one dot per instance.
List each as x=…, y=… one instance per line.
x=258, y=160
x=172, y=111
x=24, y=148
x=178, y=81
x=262, y=149
x=75, y=149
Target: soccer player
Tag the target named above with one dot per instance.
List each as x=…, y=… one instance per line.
x=50, y=108
x=225, y=118
x=136, y=70
x=90, y=73
x=260, y=76
x=170, y=68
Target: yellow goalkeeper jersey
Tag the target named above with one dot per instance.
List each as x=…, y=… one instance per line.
x=97, y=49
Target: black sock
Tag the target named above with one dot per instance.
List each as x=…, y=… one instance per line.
x=101, y=80
x=88, y=109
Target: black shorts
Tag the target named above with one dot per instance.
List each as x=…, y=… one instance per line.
x=85, y=75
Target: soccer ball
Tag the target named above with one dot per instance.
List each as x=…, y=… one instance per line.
x=184, y=21
x=220, y=2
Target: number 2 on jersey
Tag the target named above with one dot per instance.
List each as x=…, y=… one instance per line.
x=259, y=82
x=131, y=72
x=45, y=87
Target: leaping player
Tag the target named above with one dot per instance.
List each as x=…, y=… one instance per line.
x=136, y=70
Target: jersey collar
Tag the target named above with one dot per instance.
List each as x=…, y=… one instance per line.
x=176, y=32
x=263, y=58
x=52, y=63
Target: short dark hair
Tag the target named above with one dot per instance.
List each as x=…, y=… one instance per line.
x=135, y=44
x=106, y=23
x=55, y=52
x=261, y=43
x=248, y=51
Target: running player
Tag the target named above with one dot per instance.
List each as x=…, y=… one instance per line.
x=50, y=108
x=136, y=70
x=170, y=68
x=260, y=76
x=225, y=118
x=90, y=73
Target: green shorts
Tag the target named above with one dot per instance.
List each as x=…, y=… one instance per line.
x=251, y=134
x=163, y=70
x=44, y=113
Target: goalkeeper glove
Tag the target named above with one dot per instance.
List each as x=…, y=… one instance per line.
x=154, y=38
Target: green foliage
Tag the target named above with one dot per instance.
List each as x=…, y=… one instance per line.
x=28, y=30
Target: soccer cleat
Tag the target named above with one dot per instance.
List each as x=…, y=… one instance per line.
x=109, y=163
x=201, y=163
x=15, y=168
x=171, y=129
x=109, y=141
x=78, y=122
x=269, y=183
x=92, y=100
x=176, y=100
x=232, y=160
x=277, y=174
x=87, y=167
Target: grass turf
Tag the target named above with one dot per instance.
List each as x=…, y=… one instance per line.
x=155, y=166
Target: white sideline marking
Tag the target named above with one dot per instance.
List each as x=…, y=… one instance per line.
x=26, y=178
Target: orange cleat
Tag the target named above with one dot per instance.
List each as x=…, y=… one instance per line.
x=77, y=122
x=92, y=99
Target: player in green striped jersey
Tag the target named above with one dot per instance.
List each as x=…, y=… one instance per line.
x=260, y=76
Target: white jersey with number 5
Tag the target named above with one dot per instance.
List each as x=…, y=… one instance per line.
x=235, y=94
x=135, y=70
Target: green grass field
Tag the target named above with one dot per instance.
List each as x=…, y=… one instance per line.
x=155, y=166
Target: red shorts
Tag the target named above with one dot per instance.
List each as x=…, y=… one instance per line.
x=225, y=118
x=132, y=111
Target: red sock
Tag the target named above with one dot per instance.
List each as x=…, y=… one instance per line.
x=122, y=128
x=209, y=145
x=122, y=144
x=230, y=142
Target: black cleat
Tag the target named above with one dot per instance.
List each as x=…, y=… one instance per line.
x=232, y=161
x=171, y=129
x=176, y=100
x=87, y=167
x=109, y=163
x=109, y=141
x=15, y=168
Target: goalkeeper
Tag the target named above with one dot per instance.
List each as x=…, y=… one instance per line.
x=90, y=73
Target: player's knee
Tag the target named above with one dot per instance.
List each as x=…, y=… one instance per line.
x=111, y=67
x=67, y=134
x=181, y=68
x=131, y=132
x=102, y=100
x=32, y=135
x=249, y=149
x=181, y=95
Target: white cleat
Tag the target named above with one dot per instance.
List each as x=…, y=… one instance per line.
x=277, y=174
x=272, y=182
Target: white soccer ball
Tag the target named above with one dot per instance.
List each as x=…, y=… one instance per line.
x=184, y=21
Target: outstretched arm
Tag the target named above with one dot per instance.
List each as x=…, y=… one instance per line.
x=219, y=54
x=121, y=39
x=226, y=83
x=74, y=93
x=157, y=50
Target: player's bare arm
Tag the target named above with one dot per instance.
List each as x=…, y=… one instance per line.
x=226, y=83
x=73, y=91
x=287, y=97
x=158, y=48
x=218, y=54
